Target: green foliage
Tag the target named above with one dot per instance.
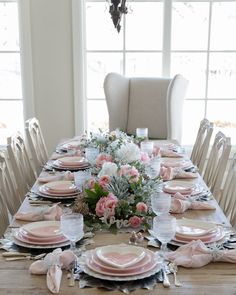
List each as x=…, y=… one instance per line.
x=92, y=196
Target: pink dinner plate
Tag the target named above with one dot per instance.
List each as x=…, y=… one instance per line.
x=35, y=239
x=72, y=161
x=139, y=269
x=48, y=193
x=25, y=239
x=175, y=162
x=210, y=238
x=62, y=186
x=43, y=228
x=70, y=145
x=57, y=165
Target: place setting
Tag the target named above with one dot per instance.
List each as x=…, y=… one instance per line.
x=73, y=163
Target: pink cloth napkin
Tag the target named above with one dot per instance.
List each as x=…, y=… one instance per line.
x=53, y=213
x=56, y=156
x=169, y=173
x=180, y=204
x=196, y=254
x=52, y=265
x=62, y=176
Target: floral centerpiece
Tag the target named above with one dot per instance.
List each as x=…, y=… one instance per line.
x=118, y=194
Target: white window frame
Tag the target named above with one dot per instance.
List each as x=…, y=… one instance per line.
x=80, y=63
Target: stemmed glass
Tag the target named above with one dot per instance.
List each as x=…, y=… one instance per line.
x=164, y=228
x=72, y=227
x=160, y=202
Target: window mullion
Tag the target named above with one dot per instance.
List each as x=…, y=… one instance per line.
x=166, y=53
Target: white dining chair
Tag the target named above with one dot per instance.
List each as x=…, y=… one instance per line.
x=217, y=163
x=36, y=143
x=201, y=145
x=227, y=198
x=20, y=162
x=8, y=189
x=3, y=216
x=155, y=103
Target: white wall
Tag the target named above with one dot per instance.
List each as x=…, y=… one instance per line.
x=52, y=68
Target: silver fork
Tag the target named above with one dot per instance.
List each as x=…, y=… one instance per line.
x=173, y=269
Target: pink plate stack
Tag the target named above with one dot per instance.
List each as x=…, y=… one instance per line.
x=40, y=235
x=72, y=163
x=121, y=262
x=58, y=189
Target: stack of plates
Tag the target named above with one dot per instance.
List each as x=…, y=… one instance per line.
x=121, y=262
x=188, y=230
x=183, y=187
x=58, y=189
x=175, y=162
x=41, y=234
x=71, y=163
x=71, y=145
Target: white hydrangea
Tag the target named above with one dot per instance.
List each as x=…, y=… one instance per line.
x=128, y=153
x=109, y=169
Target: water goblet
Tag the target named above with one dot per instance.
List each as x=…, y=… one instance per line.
x=91, y=154
x=142, y=133
x=164, y=228
x=72, y=227
x=147, y=147
x=81, y=177
x=160, y=202
x=152, y=169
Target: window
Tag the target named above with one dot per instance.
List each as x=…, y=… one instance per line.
x=11, y=103
x=195, y=44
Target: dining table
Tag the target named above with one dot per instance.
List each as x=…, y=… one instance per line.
x=213, y=278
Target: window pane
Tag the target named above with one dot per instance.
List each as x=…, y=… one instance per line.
x=101, y=33
x=10, y=75
x=222, y=75
x=144, y=26
x=11, y=118
x=98, y=65
x=97, y=115
x=191, y=120
x=190, y=25
x=143, y=64
x=9, y=31
x=223, y=26
x=193, y=67
x=222, y=113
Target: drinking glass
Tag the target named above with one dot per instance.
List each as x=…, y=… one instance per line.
x=147, y=147
x=81, y=177
x=72, y=227
x=164, y=228
x=160, y=203
x=142, y=133
x=152, y=169
x=91, y=154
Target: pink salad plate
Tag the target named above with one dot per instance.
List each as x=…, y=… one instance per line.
x=191, y=227
x=27, y=240
x=140, y=267
x=61, y=186
x=74, y=144
x=176, y=162
x=56, y=164
x=209, y=238
x=120, y=256
x=43, y=229
x=72, y=161
x=183, y=187
x=35, y=239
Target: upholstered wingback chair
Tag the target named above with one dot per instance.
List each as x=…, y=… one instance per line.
x=156, y=103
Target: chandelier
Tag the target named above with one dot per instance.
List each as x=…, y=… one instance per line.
x=117, y=8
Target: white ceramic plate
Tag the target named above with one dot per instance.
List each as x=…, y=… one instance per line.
x=31, y=246
x=60, y=186
x=120, y=256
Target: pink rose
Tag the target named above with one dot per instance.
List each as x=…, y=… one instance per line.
x=91, y=183
x=103, y=181
x=106, y=203
x=141, y=207
x=102, y=158
x=135, y=221
x=144, y=157
x=130, y=172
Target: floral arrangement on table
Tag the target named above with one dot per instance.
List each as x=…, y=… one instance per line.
x=118, y=195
